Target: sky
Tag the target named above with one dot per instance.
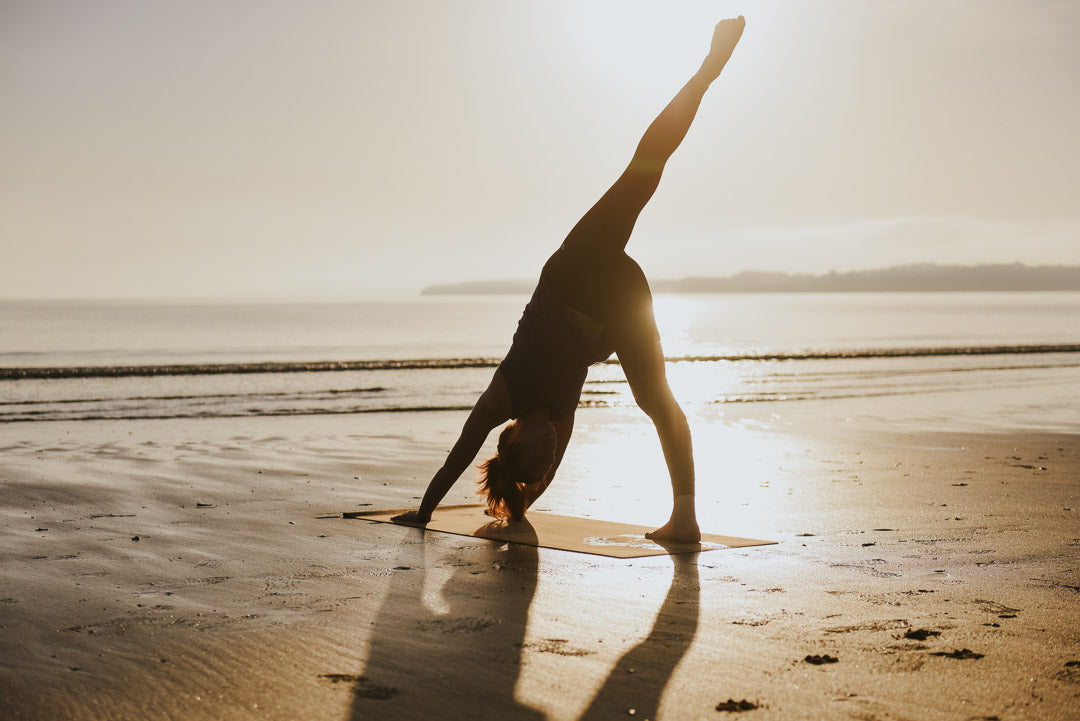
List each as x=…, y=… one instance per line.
x=358, y=149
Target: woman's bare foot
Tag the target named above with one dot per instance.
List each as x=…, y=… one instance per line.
x=682, y=527
x=676, y=532
x=725, y=38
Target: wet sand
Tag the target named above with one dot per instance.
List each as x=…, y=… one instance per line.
x=200, y=569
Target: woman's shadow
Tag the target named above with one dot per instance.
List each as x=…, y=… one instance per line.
x=640, y=677
x=463, y=661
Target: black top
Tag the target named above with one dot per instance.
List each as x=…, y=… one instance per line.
x=553, y=347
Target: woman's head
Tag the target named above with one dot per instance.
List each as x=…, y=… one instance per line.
x=525, y=454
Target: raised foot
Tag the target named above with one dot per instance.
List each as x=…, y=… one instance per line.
x=725, y=37
x=672, y=532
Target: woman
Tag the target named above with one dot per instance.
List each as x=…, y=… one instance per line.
x=592, y=300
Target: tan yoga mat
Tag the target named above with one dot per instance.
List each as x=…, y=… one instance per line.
x=566, y=533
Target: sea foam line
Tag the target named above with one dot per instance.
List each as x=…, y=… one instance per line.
x=48, y=372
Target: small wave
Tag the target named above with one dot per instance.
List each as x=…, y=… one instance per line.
x=885, y=353
x=198, y=369
x=57, y=372
x=271, y=395
x=43, y=416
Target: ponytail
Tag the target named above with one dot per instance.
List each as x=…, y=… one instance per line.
x=505, y=497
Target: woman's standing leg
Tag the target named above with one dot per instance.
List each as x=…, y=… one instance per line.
x=637, y=344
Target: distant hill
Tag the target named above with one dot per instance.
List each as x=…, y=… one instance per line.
x=919, y=277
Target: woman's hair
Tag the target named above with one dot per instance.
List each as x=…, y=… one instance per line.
x=503, y=478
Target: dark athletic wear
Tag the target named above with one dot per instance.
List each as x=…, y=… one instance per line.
x=581, y=309
x=553, y=347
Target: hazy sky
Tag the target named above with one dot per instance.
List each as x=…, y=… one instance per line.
x=202, y=148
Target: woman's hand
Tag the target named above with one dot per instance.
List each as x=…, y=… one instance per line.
x=411, y=517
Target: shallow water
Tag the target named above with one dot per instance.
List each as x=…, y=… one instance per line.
x=89, y=361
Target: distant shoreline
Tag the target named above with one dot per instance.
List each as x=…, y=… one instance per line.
x=916, y=278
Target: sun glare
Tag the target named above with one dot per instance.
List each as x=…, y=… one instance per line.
x=618, y=471
x=674, y=318
x=661, y=43
x=655, y=47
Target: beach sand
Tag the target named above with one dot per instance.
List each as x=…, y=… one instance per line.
x=200, y=569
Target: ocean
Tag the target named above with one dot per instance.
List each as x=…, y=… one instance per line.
x=96, y=360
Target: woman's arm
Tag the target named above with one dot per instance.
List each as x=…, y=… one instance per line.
x=491, y=410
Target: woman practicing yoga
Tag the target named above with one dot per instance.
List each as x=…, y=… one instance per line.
x=592, y=300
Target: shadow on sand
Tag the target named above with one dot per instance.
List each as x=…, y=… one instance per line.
x=463, y=662
x=641, y=676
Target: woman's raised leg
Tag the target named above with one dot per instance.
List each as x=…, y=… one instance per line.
x=606, y=227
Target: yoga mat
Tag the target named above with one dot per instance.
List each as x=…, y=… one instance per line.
x=566, y=533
